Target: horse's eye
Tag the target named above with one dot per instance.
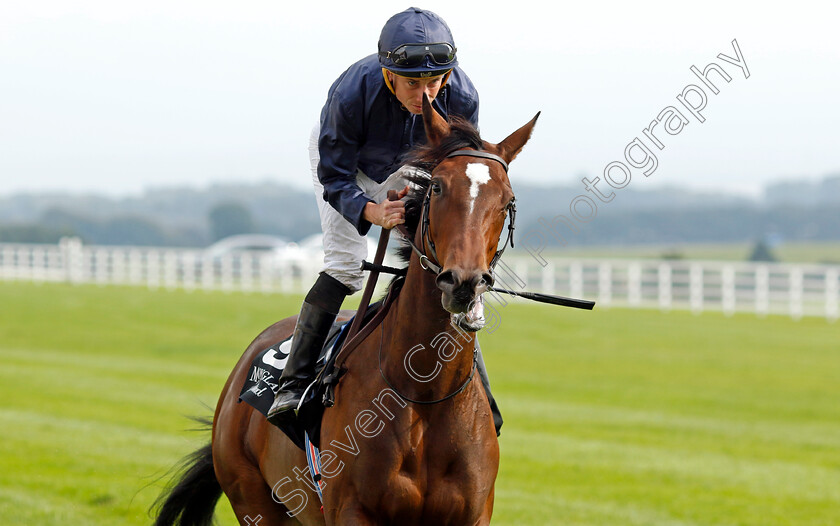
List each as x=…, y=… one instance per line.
x=436, y=189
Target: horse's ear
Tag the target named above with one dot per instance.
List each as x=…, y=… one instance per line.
x=436, y=126
x=512, y=145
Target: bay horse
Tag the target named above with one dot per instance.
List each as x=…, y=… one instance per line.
x=410, y=439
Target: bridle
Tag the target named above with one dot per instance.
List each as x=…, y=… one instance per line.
x=431, y=263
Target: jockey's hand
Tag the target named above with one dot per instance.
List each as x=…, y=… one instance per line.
x=387, y=214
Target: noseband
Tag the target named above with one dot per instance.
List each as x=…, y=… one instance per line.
x=433, y=266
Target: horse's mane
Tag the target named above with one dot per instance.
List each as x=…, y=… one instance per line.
x=426, y=157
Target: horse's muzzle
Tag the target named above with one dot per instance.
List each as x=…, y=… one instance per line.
x=461, y=296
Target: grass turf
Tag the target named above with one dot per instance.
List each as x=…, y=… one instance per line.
x=613, y=417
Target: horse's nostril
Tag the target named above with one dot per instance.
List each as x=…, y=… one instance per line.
x=482, y=282
x=447, y=280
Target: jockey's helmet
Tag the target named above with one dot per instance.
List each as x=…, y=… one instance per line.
x=417, y=43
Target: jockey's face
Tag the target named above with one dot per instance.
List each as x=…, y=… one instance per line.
x=409, y=91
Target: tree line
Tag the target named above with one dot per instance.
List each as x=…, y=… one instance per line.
x=198, y=217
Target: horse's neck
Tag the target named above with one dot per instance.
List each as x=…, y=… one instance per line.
x=419, y=319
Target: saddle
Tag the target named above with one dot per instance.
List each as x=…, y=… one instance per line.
x=262, y=382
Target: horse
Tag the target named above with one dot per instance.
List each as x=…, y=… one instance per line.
x=410, y=438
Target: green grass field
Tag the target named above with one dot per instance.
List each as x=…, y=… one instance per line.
x=613, y=417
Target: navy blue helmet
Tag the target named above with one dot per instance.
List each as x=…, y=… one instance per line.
x=417, y=43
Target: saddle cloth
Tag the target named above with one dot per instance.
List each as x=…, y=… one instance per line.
x=262, y=382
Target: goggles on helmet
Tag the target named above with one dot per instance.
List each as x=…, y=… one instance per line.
x=412, y=55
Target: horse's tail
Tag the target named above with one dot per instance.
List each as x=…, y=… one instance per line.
x=192, y=500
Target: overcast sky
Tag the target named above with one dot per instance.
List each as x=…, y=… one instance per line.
x=116, y=97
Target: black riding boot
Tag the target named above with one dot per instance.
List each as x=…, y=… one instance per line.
x=485, y=381
x=317, y=315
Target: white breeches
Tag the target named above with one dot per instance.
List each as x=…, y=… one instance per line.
x=344, y=248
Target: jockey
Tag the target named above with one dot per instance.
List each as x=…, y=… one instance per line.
x=372, y=116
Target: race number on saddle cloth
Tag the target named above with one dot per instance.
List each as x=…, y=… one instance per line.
x=261, y=383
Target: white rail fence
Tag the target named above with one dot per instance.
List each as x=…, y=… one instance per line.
x=185, y=268
x=796, y=290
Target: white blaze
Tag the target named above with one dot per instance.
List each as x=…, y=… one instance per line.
x=479, y=174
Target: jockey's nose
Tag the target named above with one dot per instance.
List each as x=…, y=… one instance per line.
x=458, y=281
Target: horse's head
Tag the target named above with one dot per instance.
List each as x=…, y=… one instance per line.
x=464, y=207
